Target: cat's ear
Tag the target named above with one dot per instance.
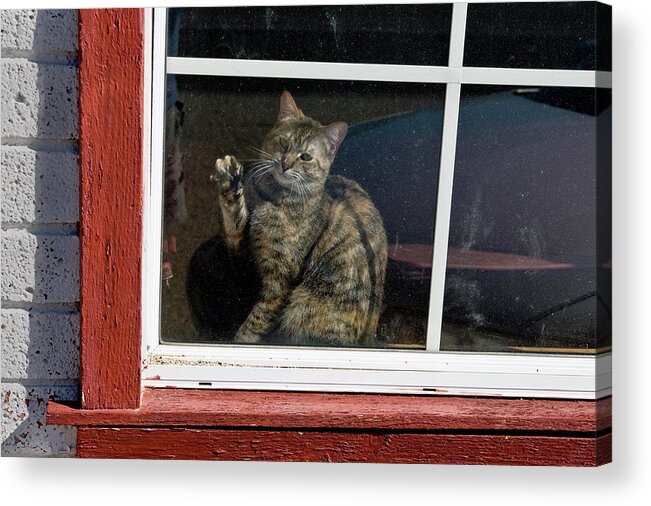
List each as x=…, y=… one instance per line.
x=288, y=108
x=335, y=133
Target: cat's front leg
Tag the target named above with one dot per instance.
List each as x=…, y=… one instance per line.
x=273, y=296
x=232, y=205
x=258, y=323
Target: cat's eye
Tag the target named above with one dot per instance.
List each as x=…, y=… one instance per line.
x=284, y=143
x=306, y=157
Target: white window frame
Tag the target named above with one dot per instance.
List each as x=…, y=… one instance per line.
x=428, y=372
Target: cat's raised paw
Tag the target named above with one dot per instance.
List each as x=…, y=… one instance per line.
x=228, y=176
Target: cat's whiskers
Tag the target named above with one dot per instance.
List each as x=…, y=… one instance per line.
x=261, y=168
x=300, y=189
x=259, y=151
x=253, y=161
x=262, y=165
x=303, y=188
x=300, y=185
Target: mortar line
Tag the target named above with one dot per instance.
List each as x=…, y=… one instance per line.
x=41, y=382
x=48, y=228
x=42, y=307
x=65, y=58
x=43, y=144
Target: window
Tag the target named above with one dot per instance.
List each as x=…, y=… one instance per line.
x=495, y=203
x=121, y=415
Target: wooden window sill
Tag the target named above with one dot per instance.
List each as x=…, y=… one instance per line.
x=293, y=426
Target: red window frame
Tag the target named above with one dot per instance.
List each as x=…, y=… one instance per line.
x=117, y=418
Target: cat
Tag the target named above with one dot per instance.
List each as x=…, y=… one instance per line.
x=316, y=240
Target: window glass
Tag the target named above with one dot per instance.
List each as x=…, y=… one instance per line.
x=522, y=260
x=604, y=217
x=391, y=150
x=528, y=266
x=549, y=35
x=399, y=34
x=604, y=37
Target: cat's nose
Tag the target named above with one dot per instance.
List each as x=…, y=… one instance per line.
x=285, y=164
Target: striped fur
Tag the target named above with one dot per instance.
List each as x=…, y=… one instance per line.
x=318, y=242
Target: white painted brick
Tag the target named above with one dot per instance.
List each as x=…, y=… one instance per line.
x=39, y=268
x=24, y=432
x=39, y=344
x=39, y=100
x=39, y=186
x=44, y=30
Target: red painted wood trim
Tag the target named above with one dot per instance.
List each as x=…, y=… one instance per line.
x=236, y=408
x=325, y=446
x=111, y=87
x=368, y=428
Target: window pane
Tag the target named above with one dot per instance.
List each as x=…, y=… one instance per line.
x=604, y=36
x=523, y=260
x=400, y=34
x=391, y=150
x=554, y=35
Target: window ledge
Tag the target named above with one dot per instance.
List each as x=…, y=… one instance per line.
x=247, y=409
x=296, y=426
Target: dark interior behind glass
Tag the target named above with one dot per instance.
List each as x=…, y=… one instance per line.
x=398, y=34
x=548, y=35
x=522, y=262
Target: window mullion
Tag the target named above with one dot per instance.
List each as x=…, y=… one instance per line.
x=457, y=34
x=446, y=178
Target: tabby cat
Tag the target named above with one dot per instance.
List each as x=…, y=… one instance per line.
x=317, y=241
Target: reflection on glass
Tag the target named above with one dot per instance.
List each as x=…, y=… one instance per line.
x=522, y=261
x=390, y=148
x=549, y=35
x=399, y=34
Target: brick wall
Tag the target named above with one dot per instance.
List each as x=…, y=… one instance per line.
x=40, y=248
